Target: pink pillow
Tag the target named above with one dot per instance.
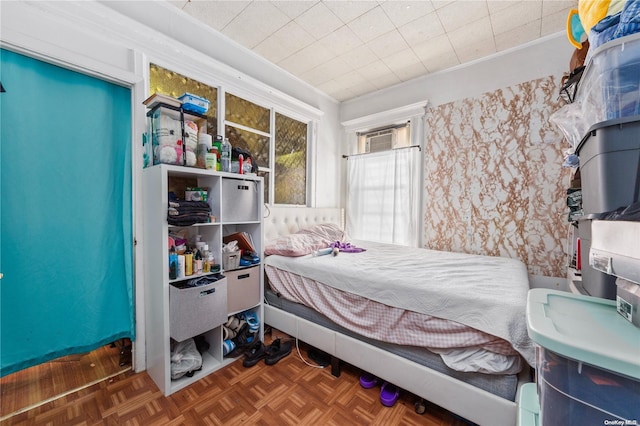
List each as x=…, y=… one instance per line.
x=294, y=245
x=326, y=231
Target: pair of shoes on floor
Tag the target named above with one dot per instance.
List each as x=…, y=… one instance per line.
x=389, y=393
x=271, y=354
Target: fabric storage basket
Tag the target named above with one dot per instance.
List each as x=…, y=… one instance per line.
x=230, y=260
x=239, y=200
x=196, y=310
x=243, y=289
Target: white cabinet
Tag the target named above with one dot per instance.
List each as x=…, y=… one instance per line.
x=236, y=206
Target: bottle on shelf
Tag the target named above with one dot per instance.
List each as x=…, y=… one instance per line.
x=206, y=266
x=197, y=262
x=225, y=155
x=217, y=149
x=173, y=263
x=188, y=262
x=240, y=161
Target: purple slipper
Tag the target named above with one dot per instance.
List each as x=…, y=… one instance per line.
x=368, y=381
x=389, y=394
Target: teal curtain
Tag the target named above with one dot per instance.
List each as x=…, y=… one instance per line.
x=66, y=214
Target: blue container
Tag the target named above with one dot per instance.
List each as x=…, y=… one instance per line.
x=194, y=103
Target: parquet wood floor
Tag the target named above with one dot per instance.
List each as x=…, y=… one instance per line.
x=288, y=393
x=49, y=380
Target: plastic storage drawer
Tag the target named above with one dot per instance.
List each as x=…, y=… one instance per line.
x=588, y=371
x=583, y=393
x=239, y=201
x=243, y=289
x=195, y=310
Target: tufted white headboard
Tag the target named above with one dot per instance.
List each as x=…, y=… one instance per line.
x=279, y=221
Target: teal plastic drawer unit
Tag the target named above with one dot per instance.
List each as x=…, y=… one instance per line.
x=588, y=363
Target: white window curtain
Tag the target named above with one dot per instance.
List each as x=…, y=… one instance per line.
x=382, y=196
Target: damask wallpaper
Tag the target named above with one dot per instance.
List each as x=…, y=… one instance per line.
x=494, y=182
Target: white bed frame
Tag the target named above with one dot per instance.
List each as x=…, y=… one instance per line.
x=465, y=400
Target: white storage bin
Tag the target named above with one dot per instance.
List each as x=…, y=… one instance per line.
x=195, y=310
x=240, y=201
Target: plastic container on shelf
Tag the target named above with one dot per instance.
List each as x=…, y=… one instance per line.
x=610, y=85
x=194, y=103
x=225, y=155
x=588, y=370
x=609, y=164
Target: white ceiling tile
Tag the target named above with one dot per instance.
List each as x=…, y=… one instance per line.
x=388, y=44
x=284, y=42
x=324, y=41
x=372, y=24
x=516, y=15
x=473, y=33
x=350, y=79
x=554, y=22
x=460, y=14
x=385, y=80
x=410, y=72
x=437, y=53
x=359, y=56
x=422, y=29
x=306, y=59
x=337, y=91
x=362, y=88
x=402, y=12
x=439, y=4
x=263, y=18
x=347, y=11
x=517, y=36
x=326, y=71
x=293, y=8
x=495, y=6
x=374, y=70
x=341, y=40
x=549, y=7
x=405, y=64
x=217, y=17
x=475, y=49
x=319, y=21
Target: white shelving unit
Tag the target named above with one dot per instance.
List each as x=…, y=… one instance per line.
x=230, y=196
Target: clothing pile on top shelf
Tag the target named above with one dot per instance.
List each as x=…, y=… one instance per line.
x=186, y=213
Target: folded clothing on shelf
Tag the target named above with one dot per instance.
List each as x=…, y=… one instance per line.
x=186, y=213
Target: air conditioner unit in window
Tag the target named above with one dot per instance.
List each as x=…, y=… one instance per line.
x=383, y=140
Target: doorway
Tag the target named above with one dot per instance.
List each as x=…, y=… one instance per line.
x=66, y=218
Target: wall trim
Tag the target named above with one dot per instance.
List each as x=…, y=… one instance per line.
x=386, y=117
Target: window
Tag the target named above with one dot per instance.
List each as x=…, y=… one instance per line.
x=291, y=161
x=382, y=187
x=172, y=84
x=248, y=126
x=277, y=142
x=382, y=196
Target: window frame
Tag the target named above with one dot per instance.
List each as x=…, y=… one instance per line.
x=278, y=103
x=310, y=122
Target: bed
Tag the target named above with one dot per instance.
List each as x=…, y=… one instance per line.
x=469, y=355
